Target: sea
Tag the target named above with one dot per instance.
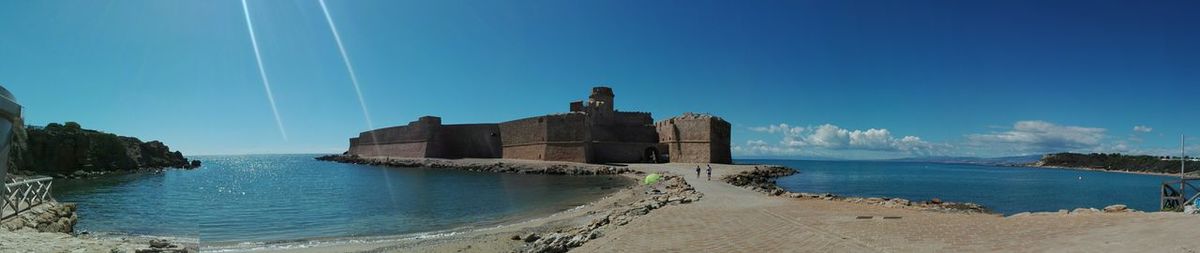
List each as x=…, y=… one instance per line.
x=281, y=199
x=1002, y=189
x=269, y=199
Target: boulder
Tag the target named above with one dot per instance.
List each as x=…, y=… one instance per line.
x=1115, y=208
x=158, y=243
x=532, y=237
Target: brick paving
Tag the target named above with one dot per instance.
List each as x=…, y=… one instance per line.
x=732, y=219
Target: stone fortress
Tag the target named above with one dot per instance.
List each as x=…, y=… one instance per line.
x=591, y=132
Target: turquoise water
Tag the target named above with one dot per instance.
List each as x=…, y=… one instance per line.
x=272, y=198
x=1004, y=190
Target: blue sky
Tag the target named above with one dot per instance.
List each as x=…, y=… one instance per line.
x=801, y=79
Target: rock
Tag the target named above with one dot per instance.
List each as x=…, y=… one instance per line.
x=1082, y=210
x=14, y=224
x=157, y=243
x=532, y=237
x=515, y=237
x=935, y=201
x=1018, y=215
x=1115, y=208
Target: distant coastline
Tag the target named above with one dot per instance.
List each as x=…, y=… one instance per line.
x=1191, y=174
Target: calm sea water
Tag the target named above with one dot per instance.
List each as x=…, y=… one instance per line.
x=264, y=198
x=1005, y=190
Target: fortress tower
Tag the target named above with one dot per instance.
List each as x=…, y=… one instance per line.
x=601, y=99
x=696, y=138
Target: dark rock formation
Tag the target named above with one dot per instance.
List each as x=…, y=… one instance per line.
x=69, y=150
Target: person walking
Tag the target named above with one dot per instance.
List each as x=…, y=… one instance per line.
x=710, y=172
x=697, y=171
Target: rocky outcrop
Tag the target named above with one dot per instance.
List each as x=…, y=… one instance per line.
x=500, y=166
x=677, y=191
x=68, y=150
x=50, y=217
x=762, y=179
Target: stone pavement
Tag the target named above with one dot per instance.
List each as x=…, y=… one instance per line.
x=732, y=219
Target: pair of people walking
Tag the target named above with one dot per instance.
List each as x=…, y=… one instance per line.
x=709, y=172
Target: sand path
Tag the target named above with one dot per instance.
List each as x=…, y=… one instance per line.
x=732, y=219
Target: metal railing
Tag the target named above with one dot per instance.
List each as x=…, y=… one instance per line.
x=1174, y=194
x=22, y=195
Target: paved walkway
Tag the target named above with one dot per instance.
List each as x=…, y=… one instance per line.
x=732, y=219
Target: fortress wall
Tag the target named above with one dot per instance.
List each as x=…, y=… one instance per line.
x=571, y=127
x=622, y=152
x=639, y=133
x=412, y=140
x=410, y=149
x=523, y=131
x=473, y=140
x=567, y=152
x=412, y=132
x=552, y=137
x=523, y=138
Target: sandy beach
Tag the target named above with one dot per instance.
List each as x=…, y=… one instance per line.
x=734, y=219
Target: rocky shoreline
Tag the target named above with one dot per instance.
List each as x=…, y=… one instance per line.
x=70, y=151
x=762, y=179
x=50, y=227
x=676, y=192
x=484, y=165
x=52, y=217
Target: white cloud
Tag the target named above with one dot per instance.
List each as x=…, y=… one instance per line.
x=1144, y=129
x=832, y=137
x=1041, y=136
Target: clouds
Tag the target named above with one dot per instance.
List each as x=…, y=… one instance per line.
x=1021, y=138
x=1041, y=136
x=1142, y=129
x=832, y=137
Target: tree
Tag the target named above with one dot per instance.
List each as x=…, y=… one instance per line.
x=71, y=125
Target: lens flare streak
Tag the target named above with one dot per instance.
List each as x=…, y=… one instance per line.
x=349, y=68
x=262, y=72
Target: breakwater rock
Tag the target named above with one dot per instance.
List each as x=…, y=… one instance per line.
x=485, y=165
x=50, y=217
x=70, y=151
x=676, y=191
x=762, y=180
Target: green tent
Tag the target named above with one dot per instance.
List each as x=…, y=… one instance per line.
x=652, y=178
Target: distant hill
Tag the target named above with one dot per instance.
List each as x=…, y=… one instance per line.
x=70, y=150
x=1116, y=162
x=999, y=161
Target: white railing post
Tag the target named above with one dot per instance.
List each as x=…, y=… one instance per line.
x=31, y=193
